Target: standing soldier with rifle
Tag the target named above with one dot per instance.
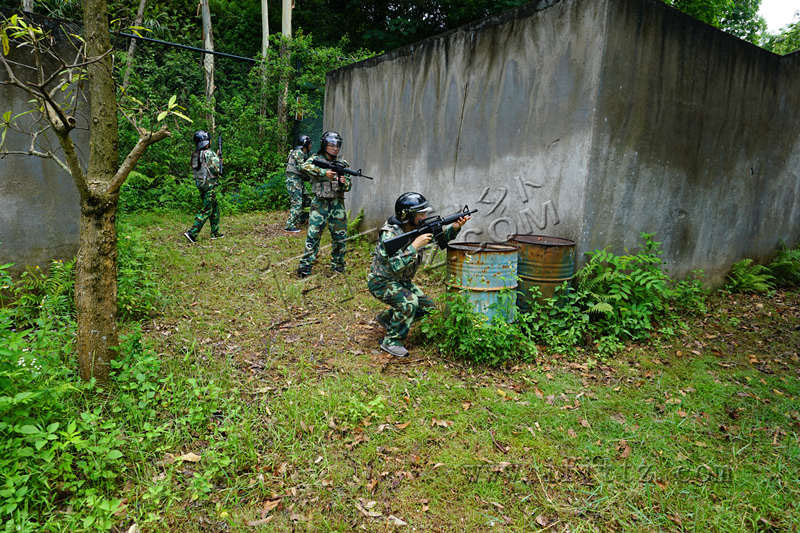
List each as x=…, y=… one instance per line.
x=295, y=186
x=396, y=259
x=327, y=207
x=206, y=167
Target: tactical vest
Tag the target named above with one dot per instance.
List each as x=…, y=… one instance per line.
x=291, y=163
x=203, y=178
x=322, y=187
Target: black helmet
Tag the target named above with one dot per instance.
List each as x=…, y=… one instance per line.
x=201, y=139
x=304, y=141
x=332, y=138
x=408, y=204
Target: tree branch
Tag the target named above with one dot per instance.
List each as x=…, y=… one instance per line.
x=144, y=141
x=38, y=153
x=74, y=163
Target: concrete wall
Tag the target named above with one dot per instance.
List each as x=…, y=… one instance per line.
x=696, y=139
x=496, y=115
x=593, y=120
x=39, y=204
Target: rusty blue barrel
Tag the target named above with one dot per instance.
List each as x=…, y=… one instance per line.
x=545, y=262
x=487, y=273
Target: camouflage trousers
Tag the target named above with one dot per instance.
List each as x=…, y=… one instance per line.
x=298, y=199
x=407, y=302
x=326, y=211
x=210, y=210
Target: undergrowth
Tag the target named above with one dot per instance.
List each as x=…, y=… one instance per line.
x=50, y=298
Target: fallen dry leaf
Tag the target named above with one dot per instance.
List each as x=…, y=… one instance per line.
x=396, y=521
x=542, y=521
x=191, y=457
x=260, y=522
x=466, y=405
x=404, y=425
x=269, y=505
x=585, y=423
x=571, y=433
x=365, y=506
x=624, y=449
x=441, y=423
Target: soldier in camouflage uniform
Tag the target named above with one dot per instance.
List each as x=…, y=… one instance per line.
x=205, y=166
x=327, y=207
x=295, y=183
x=389, y=278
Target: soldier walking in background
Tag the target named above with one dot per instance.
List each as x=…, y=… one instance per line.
x=390, y=276
x=295, y=183
x=206, y=170
x=327, y=207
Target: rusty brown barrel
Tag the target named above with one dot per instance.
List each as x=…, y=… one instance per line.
x=487, y=273
x=545, y=262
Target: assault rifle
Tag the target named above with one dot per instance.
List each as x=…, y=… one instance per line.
x=338, y=167
x=432, y=225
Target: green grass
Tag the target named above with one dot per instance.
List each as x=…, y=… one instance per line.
x=696, y=431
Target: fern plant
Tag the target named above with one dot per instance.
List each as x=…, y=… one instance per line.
x=785, y=268
x=624, y=292
x=748, y=276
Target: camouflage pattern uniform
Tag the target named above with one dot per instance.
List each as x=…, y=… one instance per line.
x=327, y=207
x=205, y=178
x=389, y=280
x=296, y=188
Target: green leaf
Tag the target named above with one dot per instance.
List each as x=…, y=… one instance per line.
x=114, y=454
x=184, y=117
x=172, y=100
x=162, y=115
x=6, y=48
x=28, y=429
x=53, y=427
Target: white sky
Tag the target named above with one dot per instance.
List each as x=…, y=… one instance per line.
x=778, y=13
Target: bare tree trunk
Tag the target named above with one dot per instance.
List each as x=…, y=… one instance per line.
x=283, y=95
x=208, y=61
x=27, y=6
x=96, y=263
x=132, y=45
x=264, y=49
x=96, y=288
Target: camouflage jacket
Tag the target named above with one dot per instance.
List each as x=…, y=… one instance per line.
x=206, y=170
x=402, y=265
x=321, y=186
x=296, y=159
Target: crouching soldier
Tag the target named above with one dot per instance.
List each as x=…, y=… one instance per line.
x=390, y=276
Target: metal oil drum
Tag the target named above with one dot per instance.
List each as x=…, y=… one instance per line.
x=484, y=271
x=545, y=262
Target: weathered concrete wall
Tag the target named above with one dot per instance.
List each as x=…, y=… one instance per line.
x=496, y=115
x=39, y=204
x=593, y=120
x=696, y=139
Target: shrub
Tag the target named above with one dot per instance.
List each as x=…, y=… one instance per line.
x=785, y=268
x=747, y=276
x=617, y=298
x=50, y=298
x=458, y=331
